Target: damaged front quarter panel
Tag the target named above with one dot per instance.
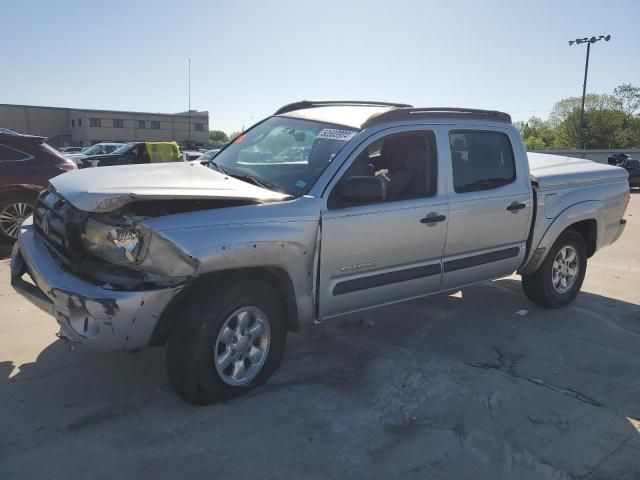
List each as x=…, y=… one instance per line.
x=165, y=260
x=276, y=237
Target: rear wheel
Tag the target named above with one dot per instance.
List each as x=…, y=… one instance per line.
x=227, y=343
x=559, y=279
x=14, y=210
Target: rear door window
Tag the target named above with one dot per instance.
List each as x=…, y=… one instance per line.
x=481, y=160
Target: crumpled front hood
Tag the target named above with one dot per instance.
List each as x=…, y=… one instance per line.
x=109, y=188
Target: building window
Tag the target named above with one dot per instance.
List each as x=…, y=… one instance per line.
x=73, y=123
x=155, y=124
x=199, y=127
x=118, y=123
x=79, y=122
x=95, y=122
x=142, y=124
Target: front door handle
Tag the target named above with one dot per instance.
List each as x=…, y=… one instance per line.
x=433, y=218
x=515, y=206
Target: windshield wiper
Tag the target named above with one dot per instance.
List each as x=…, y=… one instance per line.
x=255, y=180
x=245, y=177
x=220, y=168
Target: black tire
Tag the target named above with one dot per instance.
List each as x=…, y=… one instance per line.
x=538, y=286
x=190, y=351
x=6, y=204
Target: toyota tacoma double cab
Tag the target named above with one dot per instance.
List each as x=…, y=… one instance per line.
x=320, y=210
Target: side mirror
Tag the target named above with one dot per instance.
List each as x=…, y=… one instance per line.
x=363, y=190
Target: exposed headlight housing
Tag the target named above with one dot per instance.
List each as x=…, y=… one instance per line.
x=120, y=245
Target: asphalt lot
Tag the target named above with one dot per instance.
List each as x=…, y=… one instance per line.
x=457, y=386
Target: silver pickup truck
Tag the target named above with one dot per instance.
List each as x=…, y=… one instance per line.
x=323, y=209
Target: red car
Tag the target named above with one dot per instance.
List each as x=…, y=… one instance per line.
x=26, y=165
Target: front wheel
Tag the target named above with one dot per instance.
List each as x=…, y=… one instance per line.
x=559, y=279
x=227, y=342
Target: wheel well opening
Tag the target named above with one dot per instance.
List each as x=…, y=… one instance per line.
x=18, y=192
x=272, y=275
x=588, y=230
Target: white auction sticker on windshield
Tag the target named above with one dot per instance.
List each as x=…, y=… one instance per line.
x=336, y=134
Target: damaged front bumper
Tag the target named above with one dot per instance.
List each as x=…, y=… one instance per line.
x=87, y=313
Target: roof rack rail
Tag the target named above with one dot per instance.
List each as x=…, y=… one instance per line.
x=334, y=103
x=411, y=113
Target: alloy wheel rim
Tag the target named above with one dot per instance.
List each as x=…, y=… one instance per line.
x=12, y=217
x=242, y=346
x=565, y=268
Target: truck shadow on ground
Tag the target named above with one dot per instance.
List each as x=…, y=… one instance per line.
x=5, y=250
x=482, y=370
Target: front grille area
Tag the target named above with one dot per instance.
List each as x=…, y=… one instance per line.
x=60, y=233
x=58, y=224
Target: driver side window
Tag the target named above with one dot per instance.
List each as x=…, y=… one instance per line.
x=404, y=164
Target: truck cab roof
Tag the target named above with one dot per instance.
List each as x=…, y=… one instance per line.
x=363, y=114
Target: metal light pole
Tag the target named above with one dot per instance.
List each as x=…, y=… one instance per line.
x=189, y=108
x=588, y=41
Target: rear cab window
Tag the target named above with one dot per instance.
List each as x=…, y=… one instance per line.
x=481, y=160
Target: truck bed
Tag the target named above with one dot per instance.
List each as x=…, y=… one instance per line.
x=555, y=171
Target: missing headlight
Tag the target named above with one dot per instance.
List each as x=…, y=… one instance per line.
x=128, y=241
x=120, y=245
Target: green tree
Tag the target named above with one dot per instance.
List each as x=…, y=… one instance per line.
x=629, y=98
x=603, y=127
x=610, y=121
x=534, y=143
x=537, y=134
x=593, y=101
x=218, y=136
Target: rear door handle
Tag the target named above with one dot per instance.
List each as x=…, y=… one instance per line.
x=433, y=218
x=516, y=206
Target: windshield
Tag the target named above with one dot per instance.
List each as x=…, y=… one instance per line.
x=93, y=150
x=123, y=149
x=283, y=154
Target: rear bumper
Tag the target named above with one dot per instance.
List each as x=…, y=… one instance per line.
x=87, y=313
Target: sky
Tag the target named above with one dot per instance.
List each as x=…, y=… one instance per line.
x=250, y=57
